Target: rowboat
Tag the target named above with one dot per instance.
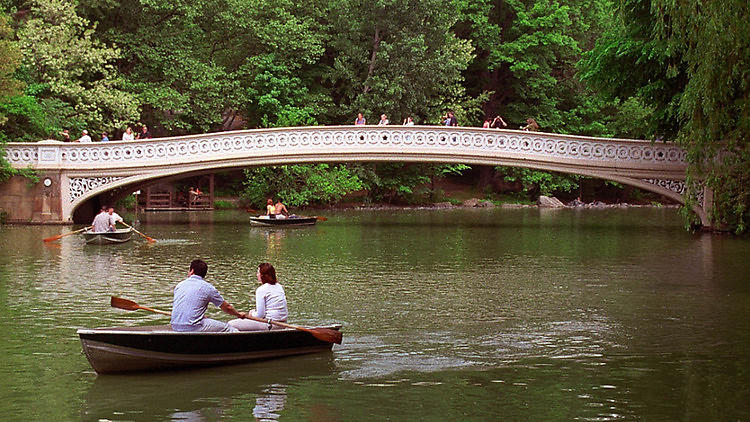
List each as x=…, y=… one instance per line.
x=264, y=220
x=107, y=238
x=148, y=348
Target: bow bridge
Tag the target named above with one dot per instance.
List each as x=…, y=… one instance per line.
x=74, y=174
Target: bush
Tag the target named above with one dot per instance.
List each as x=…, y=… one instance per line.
x=3, y=217
x=221, y=204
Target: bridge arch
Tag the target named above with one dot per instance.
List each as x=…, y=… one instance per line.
x=92, y=169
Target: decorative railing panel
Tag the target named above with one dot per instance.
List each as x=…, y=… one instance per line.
x=349, y=141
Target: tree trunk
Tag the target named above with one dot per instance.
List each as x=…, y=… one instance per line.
x=371, y=68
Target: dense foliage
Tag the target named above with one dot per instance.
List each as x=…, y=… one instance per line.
x=689, y=62
x=634, y=68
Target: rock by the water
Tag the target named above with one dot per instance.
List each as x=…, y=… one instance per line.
x=473, y=202
x=485, y=204
x=442, y=205
x=549, y=202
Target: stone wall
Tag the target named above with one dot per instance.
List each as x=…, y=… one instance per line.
x=28, y=202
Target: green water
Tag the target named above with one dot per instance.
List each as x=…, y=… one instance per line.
x=461, y=315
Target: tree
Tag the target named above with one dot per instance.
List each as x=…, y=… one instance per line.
x=212, y=64
x=689, y=61
x=73, y=68
x=299, y=185
x=394, y=57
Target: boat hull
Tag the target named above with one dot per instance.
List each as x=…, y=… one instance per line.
x=283, y=222
x=108, y=238
x=136, y=349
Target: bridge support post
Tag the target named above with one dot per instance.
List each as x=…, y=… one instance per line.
x=33, y=203
x=707, y=205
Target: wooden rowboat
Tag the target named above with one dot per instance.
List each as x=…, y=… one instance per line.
x=132, y=349
x=107, y=238
x=263, y=220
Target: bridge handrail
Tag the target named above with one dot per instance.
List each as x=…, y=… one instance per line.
x=461, y=141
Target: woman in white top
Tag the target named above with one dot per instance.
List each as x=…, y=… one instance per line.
x=128, y=135
x=270, y=302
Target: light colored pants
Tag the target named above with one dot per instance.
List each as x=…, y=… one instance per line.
x=250, y=325
x=213, y=325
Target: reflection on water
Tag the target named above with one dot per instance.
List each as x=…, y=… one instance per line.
x=447, y=315
x=204, y=394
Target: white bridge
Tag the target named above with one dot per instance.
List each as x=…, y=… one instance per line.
x=73, y=173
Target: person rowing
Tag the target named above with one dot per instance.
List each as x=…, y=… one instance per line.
x=280, y=209
x=270, y=302
x=191, y=299
x=102, y=222
x=114, y=218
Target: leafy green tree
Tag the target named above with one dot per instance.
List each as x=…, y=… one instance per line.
x=527, y=51
x=394, y=57
x=207, y=65
x=536, y=182
x=72, y=66
x=689, y=62
x=299, y=185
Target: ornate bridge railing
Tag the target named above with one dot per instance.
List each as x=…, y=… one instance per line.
x=93, y=168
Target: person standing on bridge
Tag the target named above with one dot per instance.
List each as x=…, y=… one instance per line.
x=498, y=122
x=383, y=120
x=531, y=125
x=128, y=135
x=145, y=134
x=360, y=120
x=84, y=137
x=409, y=121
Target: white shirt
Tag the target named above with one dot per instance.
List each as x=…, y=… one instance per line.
x=128, y=136
x=270, y=302
x=383, y=122
x=409, y=123
x=84, y=138
x=101, y=223
x=114, y=218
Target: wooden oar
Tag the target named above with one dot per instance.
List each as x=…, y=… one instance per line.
x=319, y=218
x=60, y=236
x=324, y=334
x=129, y=305
x=150, y=240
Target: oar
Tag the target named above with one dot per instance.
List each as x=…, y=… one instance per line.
x=129, y=305
x=319, y=218
x=59, y=236
x=150, y=240
x=324, y=334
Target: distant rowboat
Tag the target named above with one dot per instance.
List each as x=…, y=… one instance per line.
x=107, y=238
x=264, y=220
x=132, y=349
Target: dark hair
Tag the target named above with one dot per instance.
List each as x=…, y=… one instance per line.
x=199, y=267
x=267, y=273
x=269, y=202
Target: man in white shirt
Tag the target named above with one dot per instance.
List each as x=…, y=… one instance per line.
x=85, y=137
x=101, y=222
x=191, y=299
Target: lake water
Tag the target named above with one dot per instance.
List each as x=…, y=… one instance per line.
x=460, y=315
